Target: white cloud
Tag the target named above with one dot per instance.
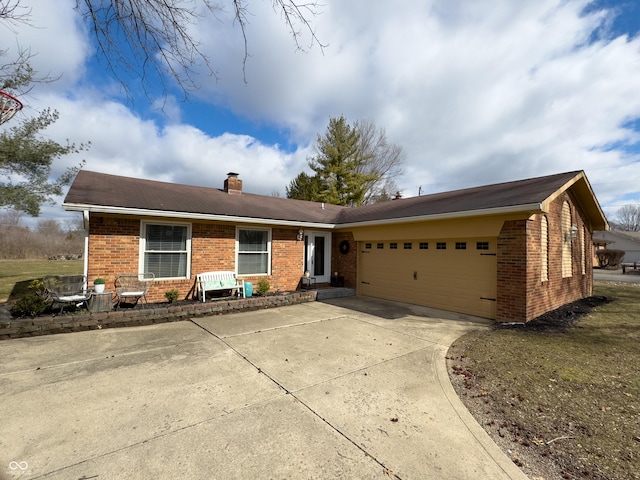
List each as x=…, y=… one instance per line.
x=475, y=92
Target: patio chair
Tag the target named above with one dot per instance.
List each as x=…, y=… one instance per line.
x=65, y=289
x=133, y=286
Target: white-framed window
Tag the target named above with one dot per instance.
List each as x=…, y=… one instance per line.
x=253, y=247
x=165, y=249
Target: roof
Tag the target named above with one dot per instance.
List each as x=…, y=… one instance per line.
x=99, y=192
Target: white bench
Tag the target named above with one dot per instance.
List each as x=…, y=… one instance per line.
x=210, y=281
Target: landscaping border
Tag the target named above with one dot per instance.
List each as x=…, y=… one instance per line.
x=77, y=322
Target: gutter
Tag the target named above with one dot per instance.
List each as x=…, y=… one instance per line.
x=527, y=208
x=77, y=207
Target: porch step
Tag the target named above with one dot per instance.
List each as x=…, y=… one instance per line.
x=337, y=292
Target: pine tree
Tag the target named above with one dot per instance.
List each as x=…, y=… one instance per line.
x=25, y=165
x=353, y=165
x=338, y=164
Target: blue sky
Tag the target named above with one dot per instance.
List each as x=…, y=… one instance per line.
x=475, y=93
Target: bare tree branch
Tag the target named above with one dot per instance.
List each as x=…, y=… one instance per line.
x=156, y=39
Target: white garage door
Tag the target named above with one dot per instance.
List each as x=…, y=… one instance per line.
x=450, y=274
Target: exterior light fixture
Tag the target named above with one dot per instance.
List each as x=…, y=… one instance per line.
x=300, y=235
x=574, y=232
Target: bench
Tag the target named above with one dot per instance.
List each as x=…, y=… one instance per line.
x=211, y=281
x=629, y=266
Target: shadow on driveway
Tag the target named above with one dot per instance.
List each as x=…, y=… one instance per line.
x=351, y=388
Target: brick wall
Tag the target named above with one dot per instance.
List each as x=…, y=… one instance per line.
x=522, y=295
x=114, y=244
x=345, y=264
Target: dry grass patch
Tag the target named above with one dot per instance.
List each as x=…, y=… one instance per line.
x=563, y=402
x=15, y=275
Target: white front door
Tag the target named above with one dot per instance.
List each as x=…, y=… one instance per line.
x=317, y=258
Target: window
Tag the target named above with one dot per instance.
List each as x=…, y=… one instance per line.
x=166, y=249
x=424, y=245
x=461, y=245
x=544, y=249
x=441, y=246
x=367, y=245
x=567, y=250
x=482, y=245
x=254, y=251
x=583, y=253
x=380, y=245
x=408, y=245
x=393, y=246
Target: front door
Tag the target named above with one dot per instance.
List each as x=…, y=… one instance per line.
x=317, y=258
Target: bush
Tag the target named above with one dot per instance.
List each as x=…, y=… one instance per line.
x=172, y=295
x=29, y=306
x=263, y=288
x=609, y=258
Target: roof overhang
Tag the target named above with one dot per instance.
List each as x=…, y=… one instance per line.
x=526, y=210
x=76, y=207
x=585, y=197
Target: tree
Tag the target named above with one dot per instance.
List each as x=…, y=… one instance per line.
x=353, y=165
x=156, y=37
x=339, y=165
x=25, y=165
x=304, y=187
x=381, y=161
x=627, y=219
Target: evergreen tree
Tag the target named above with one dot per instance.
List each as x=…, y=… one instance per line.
x=304, y=187
x=353, y=165
x=25, y=165
x=338, y=165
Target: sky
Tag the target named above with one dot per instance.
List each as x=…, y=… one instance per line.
x=474, y=92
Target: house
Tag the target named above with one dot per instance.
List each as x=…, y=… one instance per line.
x=510, y=251
x=629, y=242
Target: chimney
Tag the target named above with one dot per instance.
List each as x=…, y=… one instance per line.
x=233, y=185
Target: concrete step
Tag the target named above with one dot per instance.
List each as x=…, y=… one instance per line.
x=338, y=292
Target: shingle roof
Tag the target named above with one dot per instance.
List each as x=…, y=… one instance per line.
x=500, y=195
x=92, y=189
x=99, y=189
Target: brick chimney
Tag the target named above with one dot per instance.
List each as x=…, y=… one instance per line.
x=233, y=185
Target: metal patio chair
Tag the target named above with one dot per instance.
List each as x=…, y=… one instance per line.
x=64, y=289
x=133, y=286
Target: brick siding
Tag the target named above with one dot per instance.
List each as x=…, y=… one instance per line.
x=522, y=295
x=114, y=246
x=345, y=264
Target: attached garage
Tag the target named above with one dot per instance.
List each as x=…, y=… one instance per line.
x=438, y=273
x=509, y=251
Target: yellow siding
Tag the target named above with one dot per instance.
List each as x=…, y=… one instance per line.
x=457, y=280
x=489, y=226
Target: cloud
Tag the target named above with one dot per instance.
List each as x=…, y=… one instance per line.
x=475, y=92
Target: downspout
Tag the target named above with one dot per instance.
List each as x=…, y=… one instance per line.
x=85, y=221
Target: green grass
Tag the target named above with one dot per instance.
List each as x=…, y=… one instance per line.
x=15, y=275
x=571, y=397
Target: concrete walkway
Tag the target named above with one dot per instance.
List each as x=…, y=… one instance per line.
x=348, y=388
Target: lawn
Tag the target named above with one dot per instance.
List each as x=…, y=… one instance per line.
x=15, y=275
x=562, y=404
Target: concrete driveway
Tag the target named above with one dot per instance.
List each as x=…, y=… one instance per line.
x=348, y=388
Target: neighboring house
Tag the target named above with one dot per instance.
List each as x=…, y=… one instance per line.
x=629, y=242
x=510, y=251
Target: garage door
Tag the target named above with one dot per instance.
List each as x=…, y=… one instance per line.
x=450, y=274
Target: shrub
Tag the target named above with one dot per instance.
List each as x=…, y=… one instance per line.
x=30, y=306
x=172, y=295
x=263, y=287
x=609, y=258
